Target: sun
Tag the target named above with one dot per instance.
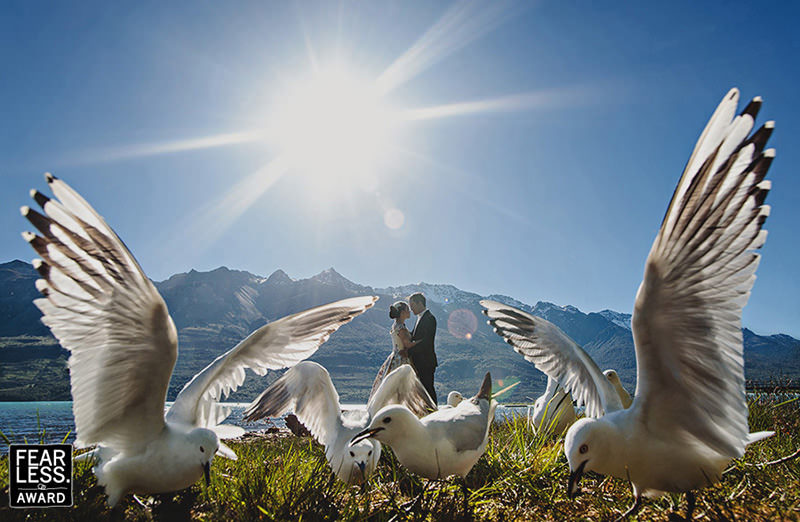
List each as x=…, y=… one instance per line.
x=333, y=123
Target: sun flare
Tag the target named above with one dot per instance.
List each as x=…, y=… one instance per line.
x=333, y=123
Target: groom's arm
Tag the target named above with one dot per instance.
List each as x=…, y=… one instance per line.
x=429, y=333
x=426, y=331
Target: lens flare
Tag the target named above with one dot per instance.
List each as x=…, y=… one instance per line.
x=394, y=218
x=462, y=324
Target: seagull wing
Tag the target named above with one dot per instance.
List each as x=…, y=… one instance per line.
x=276, y=345
x=103, y=309
x=307, y=389
x=402, y=387
x=465, y=426
x=554, y=353
x=697, y=279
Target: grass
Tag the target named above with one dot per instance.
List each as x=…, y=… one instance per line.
x=521, y=477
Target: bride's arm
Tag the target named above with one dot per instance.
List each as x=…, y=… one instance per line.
x=405, y=338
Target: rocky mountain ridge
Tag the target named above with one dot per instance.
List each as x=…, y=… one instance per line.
x=216, y=309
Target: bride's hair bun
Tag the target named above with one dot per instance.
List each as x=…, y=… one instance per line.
x=396, y=309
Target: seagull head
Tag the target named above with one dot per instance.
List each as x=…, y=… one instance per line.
x=390, y=423
x=624, y=396
x=361, y=459
x=203, y=444
x=587, y=446
x=453, y=398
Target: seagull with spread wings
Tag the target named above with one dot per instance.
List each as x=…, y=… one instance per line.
x=307, y=389
x=689, y=413
x=123, y=346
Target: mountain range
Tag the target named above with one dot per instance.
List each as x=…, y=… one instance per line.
x=214, y=310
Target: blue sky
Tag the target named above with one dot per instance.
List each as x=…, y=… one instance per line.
x=554, y=136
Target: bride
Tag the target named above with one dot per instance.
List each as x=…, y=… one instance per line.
x=401, y=342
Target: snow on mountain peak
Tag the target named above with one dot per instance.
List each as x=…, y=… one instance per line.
x=618, y=318
x=440, y=294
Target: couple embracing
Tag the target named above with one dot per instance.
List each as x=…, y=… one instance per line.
x=415, y=347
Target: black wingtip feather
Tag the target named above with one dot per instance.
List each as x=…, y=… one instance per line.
x=760, y=195
x=40, y=198
x=38, y=220
x=761, y=165
x=761, y=136
x=49, y=177
x=753, y=107
x=43, y=269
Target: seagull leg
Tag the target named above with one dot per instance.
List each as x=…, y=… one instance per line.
x=691, y=500
x=465, y=492
x=410, y=505
x=637, y=503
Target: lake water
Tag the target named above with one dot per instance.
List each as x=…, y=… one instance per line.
x=52, y=422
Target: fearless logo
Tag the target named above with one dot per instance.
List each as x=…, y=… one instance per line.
x=40, y=475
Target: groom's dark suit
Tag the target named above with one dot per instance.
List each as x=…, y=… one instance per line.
x=422, y=354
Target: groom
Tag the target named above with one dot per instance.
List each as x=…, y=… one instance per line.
x=422, y=353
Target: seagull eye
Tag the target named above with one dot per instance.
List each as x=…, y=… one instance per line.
x=387, y=420
x=370, y=453
x=584, y=448
x=352, y=454
x=202, y=449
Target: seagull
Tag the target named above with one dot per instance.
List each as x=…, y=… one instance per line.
x=307, y=389
x=624, y=396
x=446, y=442
x=454, y=398
x=688, y=418
x=553, y=411
x=123, y=346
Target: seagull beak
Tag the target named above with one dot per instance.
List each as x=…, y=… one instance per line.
x=364, y=435
x=207, y=473
x=362, y=466
x=574, y=477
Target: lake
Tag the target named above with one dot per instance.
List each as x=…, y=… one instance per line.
x=50, y=422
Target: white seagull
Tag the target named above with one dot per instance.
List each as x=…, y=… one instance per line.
x=553, y=411
x=689, y=413
x=103, y=309
x=446, y=442
x=307, y=389
x=454, y=398
x=624, y=396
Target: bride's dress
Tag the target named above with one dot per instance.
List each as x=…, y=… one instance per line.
x=394, y=360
